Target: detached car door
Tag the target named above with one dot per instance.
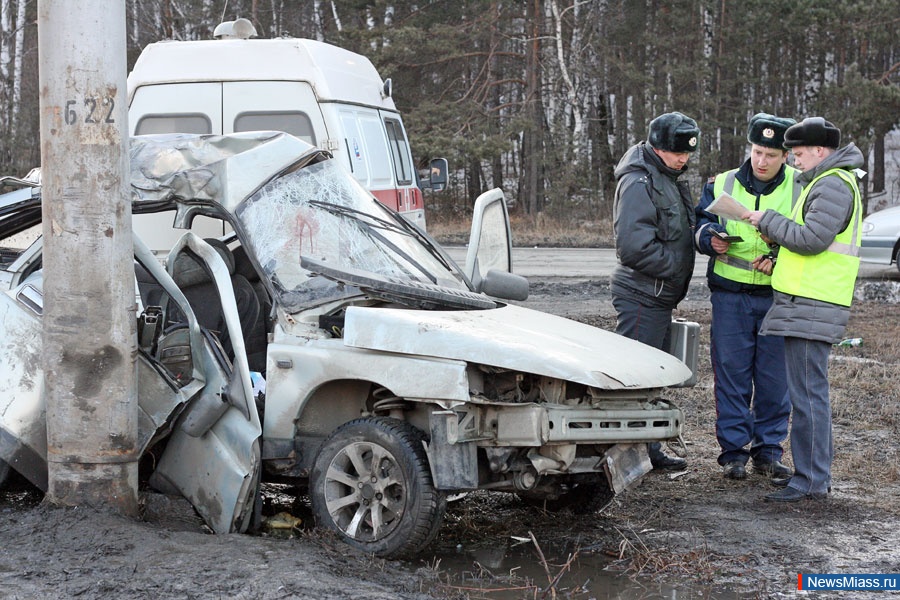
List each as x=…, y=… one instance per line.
x=212, y=456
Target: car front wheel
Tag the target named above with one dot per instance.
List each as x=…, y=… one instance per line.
x=371, y=483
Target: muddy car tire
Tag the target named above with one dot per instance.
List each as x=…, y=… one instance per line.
x=371, y=483
x=581, y=495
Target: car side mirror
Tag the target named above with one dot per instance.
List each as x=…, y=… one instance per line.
x=437, y=175
x=503, y=285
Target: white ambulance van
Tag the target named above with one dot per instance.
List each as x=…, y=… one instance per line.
x=322, y=94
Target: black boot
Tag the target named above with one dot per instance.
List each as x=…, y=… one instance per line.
x=660, y=460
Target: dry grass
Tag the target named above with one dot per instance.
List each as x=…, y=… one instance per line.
x=637, y=558
x=865, y=385
x=864, y=391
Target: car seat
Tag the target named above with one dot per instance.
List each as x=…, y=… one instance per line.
x=203, y=295
x=256, y=339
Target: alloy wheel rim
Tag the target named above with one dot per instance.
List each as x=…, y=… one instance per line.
x=365, y=493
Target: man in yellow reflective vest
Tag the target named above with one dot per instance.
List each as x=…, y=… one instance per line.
x=813, y=282
x=752, y=405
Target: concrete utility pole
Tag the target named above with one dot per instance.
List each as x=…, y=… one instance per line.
x=89, y=302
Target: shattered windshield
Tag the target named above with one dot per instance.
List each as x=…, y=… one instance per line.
x=321, y=213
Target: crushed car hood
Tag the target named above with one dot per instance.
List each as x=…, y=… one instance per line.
x=516, y=338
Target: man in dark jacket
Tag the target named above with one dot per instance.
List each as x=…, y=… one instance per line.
x=653, y=217
x=752, y=405
x=813, y=282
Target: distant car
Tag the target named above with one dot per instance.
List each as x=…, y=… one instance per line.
x=393, y=377
x=881, y=237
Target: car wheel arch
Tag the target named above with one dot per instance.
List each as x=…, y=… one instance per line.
x=336, y=402
x=330, y=405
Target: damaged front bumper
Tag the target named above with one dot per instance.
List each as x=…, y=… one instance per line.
x=540, y=424
x=524, y=442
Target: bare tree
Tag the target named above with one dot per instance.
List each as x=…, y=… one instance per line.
x=5, y=60
x=532, y=139
x=17, y=70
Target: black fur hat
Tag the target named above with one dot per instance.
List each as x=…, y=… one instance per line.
x=768, y=130
x=812, y=131
x=674, y=132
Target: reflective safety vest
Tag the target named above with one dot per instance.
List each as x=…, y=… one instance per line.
x=830, y=275
x=737, y=263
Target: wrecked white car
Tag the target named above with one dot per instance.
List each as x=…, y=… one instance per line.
x=392, y=377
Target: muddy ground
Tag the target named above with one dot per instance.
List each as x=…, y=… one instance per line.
x=687, y=528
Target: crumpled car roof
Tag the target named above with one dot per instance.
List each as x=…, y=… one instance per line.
x=205, y=168
x=220, y=169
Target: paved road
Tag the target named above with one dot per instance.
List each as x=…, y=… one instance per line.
x=586, y=263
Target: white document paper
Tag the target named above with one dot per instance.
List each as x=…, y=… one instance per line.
x=726, y=206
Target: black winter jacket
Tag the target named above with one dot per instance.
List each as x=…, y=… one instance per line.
x=654, y=225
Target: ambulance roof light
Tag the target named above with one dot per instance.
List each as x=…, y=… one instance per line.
x=239, y=29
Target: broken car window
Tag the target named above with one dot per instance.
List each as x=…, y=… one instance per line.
x=320, y=213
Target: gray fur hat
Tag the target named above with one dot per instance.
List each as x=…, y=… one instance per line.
x=768, y=130
x=674, y=132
